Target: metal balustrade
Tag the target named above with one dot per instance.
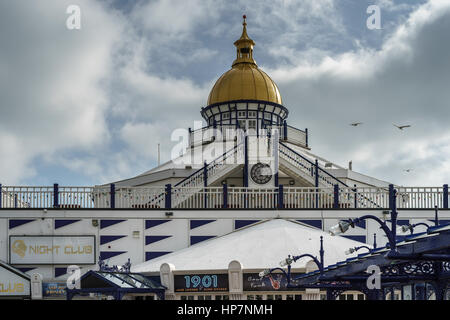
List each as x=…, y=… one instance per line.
x=200, y=197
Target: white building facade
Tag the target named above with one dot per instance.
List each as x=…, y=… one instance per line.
x=247, y=167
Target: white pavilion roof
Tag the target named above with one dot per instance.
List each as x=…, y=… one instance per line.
x=256, y=247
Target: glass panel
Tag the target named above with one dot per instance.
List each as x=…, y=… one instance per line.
x=183, y=298
x=190, y=297
x=201, y=298
x=259, y=297
x=298, y=297
x=218, y=297
x=269, y=297
x=143, y=279
x=115, y=280
x=278, y=297
x=207, y=297
x=226, y=297
x=289, y=297
x=250, y=297
x=349, y=297
x=360, y=297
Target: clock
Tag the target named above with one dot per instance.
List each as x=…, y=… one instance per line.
x=261, y=173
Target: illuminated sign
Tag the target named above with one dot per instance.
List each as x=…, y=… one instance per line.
x=52, y=249
x=12, y=284
x=273, y=282
x=54, y=289
x=201, y=283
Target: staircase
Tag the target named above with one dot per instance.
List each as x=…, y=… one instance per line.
x=304, y=169
x=208, y=175
x=298, y=166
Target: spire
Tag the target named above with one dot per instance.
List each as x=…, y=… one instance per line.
x=244, y=47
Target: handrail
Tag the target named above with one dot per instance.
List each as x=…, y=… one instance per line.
x=313, y=164
x=202, y=168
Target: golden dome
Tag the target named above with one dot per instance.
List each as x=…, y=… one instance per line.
x=244, y=81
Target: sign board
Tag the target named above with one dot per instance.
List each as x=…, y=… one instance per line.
x=273, y=282
x=54, y=289
x=201, y=283
x=51, y=250
x=13, y=284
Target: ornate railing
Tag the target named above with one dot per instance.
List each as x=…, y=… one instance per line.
x=309, y=167
x=200, y=197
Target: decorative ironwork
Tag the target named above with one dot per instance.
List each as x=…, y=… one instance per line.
x=103, y=266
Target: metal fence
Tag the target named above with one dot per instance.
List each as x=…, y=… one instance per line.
x=221, y=197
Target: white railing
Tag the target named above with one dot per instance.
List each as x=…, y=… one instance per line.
x=83, y=197
x=296, y=136
x=207, y=198
x=308, y=197
x=252, y=198
x=366, y=197
x=214, y=197
x=419, y=197
x=26, y=197
x=140, y=197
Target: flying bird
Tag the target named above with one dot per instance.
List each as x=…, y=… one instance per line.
x=408, y=170
x=355, y=124
x=402, y=127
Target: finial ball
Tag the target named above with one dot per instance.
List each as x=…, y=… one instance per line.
x=244, y=16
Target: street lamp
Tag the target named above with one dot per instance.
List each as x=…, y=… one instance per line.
x=290, y=259
x=343, y=225
x=410, y=227
x=351, y=250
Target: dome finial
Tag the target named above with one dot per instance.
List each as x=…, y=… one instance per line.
x=244, y=46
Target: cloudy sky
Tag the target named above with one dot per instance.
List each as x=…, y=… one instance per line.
x=89, y=106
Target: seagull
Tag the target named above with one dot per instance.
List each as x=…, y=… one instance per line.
x=355, y=124
x=402, y=127
x=408, y=170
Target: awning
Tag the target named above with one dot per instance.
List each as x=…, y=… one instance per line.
x=116, y=284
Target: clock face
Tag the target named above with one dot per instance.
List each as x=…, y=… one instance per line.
x=261, y=173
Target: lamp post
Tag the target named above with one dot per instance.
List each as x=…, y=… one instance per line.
x=290, y=259
x=351, y=250
x=410, y=227
x=344, y=225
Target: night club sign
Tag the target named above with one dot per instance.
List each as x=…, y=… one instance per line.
x=52, y=250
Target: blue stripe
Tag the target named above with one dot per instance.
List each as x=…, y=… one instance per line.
x=197, y=239
x=153, y=223
x=242, y=223
x=63, y=223
x=25, y=270
x=14, y=223
x=60, y=271
x=155, y=254
x=108, y=223
x=197, y=223
x=106, y=239
x=153, y=239
x=361, y=224
x=357, y=238
x=109, y=254
x=312, y=222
